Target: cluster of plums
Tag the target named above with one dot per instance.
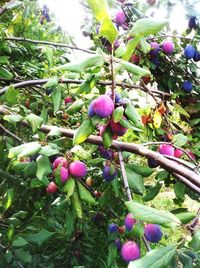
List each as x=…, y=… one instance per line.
x=77, y=169
x=130, y=251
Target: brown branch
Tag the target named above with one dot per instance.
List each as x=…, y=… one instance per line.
x=138, y=149
x=187, y=183
x=5, y=7
x=11, y=134
x=42, y=42
x=172, y=36
x=23, y=84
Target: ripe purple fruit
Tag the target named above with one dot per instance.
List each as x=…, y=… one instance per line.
x=155, y=48
x=78, y=169
x=129, y=222
x=51, y=188
x=130, y=251
x=91, y=111
x=153, y=232
x=60, y=161
x=117, y=128
x=196, y=56
x=166, y=149
x=178, y=153
x=116, y=45
x=120, y=18
x=187, y=86
x=152, y=163
x=112, y=228
x=103, y=106
x=117, y=95
x=192, y=23
x=189, y=52
x=118, y=244
x=109, y=174
x=106, y=153
x=64, y=174
x=68, y=100
x=168, y=47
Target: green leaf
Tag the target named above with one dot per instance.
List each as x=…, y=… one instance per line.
x=52, y=82
x=13, y=118
x=179, y=140
x=11, y=95
x=57, y=99
x=195, y=242
x=130, y=48
x=156, y=258
x=35, y=121
x=43, y=167
x=79, y=67
x=27, y=149
x=19, y=242
x=186, y=217
x=23, y=256
x=40, y=238
x=133, y=115
x=83, y=132
x=85, y=195
x=135, y=181
x=145, y=47
x=134, y=69
x=147, y=26
x=5, y=73
x=81, y=153
x=118, y=114
x=69, y=188
x=181, y=110
x=112, y=254
x=101, y=13
x=8, y=198
x=152, y=192
x=75, y=107
x=55, y=131
x=50, y=149
x=107, y=138
x=77, y=206
x=105, y=198
x=180, y=190
x=152, y=215
x=141, y=170
x=185, y=260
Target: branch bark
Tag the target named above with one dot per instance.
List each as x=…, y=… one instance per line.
x=169, y=165
x=42, y=42
x=23, y=84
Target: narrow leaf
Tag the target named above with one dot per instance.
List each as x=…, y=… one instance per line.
x=85, y=195
x=35, y=121
x=43, y=167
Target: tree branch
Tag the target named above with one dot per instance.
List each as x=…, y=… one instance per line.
x=138, y=149
x=23, y=84
x=4, y=8
x=42, y=42
x=11, y=134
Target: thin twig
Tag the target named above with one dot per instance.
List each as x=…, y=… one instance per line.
x=42, y=42
x=11, y=134
x=128, y=191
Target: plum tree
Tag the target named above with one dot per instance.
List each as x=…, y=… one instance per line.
x=103, y=142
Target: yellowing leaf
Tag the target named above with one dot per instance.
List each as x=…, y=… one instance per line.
x=157, y=119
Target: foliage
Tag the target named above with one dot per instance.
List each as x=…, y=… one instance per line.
x=67, y=226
